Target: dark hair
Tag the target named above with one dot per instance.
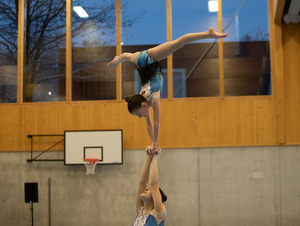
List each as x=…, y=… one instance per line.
x=148, y=72
x=134, y=101
x=163, y=196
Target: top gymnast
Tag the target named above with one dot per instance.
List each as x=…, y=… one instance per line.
x=152, y=78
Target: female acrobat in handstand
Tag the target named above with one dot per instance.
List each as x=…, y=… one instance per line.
x=152, y=78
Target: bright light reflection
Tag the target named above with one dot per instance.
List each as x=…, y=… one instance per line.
x=80, y=11
x=213, y=6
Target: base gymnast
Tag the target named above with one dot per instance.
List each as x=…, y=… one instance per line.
x=149, y=200
x=152, y=78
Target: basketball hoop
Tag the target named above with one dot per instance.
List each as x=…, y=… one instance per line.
x=90, y=165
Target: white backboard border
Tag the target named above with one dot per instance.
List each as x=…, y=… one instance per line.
x=106, y=145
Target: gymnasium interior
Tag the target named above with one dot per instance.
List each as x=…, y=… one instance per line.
x=229, y=123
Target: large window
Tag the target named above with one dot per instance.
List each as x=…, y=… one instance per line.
x=44, y=60
x=8, y=51
x=196, y=68
x=247, y=48
x=143, y=27
x=93, y=42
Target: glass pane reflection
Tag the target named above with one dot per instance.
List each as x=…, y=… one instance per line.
x=44, y=54
x=8, y=51
x=93, y=46
x=196, y=65
x=247, y=48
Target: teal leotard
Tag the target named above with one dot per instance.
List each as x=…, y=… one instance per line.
x=150, y=219
x=154, y=87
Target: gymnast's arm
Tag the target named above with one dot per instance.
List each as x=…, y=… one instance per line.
x=153, y=177
x=143, y=181
x=129, y=57
x=156, y=124
x=149, y=127
x=153, y=130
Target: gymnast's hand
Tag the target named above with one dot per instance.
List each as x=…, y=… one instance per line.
x=150, y=149
x=153, y=150
x=115, y=62
x=157, y=150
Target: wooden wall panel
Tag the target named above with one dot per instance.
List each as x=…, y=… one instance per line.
x=247, y=121
x=278, y=76
x=291, y=56
x=184, y=122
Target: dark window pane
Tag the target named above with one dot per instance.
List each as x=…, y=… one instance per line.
x=44, y=59
x=93, y=42
x=196, y=65
x=247, y=49
x=8, y=51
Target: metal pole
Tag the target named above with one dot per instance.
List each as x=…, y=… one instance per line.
x=31, y=138
x=49, y=201
x=32, y=213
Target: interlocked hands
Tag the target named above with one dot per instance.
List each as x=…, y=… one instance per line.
x=153, y=150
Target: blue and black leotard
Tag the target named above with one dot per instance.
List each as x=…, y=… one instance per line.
x=152, y=79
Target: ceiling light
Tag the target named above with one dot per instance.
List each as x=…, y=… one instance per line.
x=80, y=11
x=213, y=6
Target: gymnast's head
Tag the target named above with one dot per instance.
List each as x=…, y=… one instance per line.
x=146, y=196
x=137, y=105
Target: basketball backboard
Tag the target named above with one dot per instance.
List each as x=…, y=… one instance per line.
x=105, y=145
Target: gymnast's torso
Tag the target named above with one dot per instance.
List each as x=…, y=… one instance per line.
x=151, y=219
x=152, y=80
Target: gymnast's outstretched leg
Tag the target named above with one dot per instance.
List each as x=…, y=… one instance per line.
x=162, y=51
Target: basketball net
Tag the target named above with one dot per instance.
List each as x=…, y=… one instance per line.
x=90, y=165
